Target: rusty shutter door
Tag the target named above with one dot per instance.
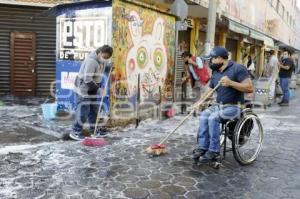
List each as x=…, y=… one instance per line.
x=23, y=76
x=27, y=19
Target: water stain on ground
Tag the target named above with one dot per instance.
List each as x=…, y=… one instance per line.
x=25, y=134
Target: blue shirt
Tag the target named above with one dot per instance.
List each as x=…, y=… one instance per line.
x=228, y=95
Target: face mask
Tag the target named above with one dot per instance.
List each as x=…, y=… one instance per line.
x=215, y=66
x=285, y=56
x=102, y=60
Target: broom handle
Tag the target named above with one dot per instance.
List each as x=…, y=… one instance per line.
x=101, y=101
x=197, y=104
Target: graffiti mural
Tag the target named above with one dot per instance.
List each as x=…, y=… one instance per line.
x=147, y=56
x=145, y=46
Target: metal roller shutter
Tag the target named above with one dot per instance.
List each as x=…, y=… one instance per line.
x=178, y=76
x=26, y=19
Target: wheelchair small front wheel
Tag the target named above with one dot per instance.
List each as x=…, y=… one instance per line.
x=247, y=139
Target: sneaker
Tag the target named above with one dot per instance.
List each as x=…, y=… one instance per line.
x=280, y=102
x=75, y=135
x=100, y=133
x=197, y=153
x=284, y=104
x=210, y=157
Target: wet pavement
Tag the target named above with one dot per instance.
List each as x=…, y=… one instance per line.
x=22, y=122
x=66, y=169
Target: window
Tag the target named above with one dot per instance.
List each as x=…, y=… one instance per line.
x=270, y=2
x=277, y=5
x=294, y=24
x=280, y=9
x=274, y=3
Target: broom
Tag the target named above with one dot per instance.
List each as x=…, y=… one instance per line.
x=93, y=140
x=159, y=149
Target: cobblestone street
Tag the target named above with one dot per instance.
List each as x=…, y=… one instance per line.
x=129, y=79
x=66, y=169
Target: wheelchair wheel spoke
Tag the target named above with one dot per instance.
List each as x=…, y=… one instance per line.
x=248, y=139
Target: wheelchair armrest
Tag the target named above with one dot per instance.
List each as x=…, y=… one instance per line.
x=249, y=104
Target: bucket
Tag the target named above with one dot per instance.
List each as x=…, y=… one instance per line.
x=292, y=93
x=49, y=110
x=293, y=84
x=170, y=112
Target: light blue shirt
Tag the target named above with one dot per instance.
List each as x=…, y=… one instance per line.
x=199, y=65
x=191, y=68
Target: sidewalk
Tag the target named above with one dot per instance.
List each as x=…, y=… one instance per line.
x=66, y=169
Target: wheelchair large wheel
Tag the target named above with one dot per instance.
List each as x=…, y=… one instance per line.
x=247, y=139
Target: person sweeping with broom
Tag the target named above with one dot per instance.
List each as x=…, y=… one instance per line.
x=87, y=84
x=234, y=81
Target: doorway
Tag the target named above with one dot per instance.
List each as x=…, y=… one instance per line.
x=22, y=63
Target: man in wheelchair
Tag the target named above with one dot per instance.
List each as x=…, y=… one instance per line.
x=234, y=82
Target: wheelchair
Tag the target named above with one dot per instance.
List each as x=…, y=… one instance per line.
x=246, y=135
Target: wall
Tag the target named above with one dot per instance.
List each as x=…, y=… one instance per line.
x=144, y=43
x=261, y=16
x=80, y=30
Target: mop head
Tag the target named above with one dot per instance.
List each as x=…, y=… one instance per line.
x=94, y=142
x=156, y=149
x=171, y=112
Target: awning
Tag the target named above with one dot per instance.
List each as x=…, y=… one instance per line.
x=282, y=45
x=242, y=29
x=269, y=42
x=257, y=35
x=238, y=28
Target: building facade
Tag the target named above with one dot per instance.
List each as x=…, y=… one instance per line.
x=28, y=45
x=243, y=27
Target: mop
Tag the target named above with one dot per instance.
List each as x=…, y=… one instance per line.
x=93, y=140
x=159, y=149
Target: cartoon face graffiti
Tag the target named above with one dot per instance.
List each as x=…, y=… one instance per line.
x=147, y=57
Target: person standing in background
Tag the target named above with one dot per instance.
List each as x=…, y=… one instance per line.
x=286, y=70
x=196, y=73
x=271, y=72
x=251, y=67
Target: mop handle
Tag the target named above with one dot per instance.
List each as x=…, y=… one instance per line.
x=200, y=102
x=101, y=101
x=197, y=104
